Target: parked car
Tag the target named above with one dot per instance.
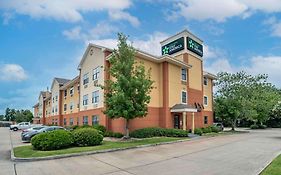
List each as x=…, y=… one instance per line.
x=22, y=125
x=33, y=128
x=219, y=125
x=26, y=137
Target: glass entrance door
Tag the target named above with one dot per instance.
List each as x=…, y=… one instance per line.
x=176, y=121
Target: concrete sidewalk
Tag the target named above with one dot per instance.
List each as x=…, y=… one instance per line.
x=6, y=166
x=235, y=154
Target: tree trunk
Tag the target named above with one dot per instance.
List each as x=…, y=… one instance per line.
x=127, y=129
x=233, y=124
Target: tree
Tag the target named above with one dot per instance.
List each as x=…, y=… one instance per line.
x=2, y=117
x=127, y=92
x=10, y=114
x=23, y=116
x=243, y=96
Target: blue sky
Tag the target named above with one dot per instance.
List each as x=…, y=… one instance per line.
x=43, y=39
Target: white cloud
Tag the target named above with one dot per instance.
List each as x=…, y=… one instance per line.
x=275, y=26
x=62, y=10
x=7, y=17
x=150, y=44
x=121, y=15
x=220, y=11
x=100, y=30
x=12, y=72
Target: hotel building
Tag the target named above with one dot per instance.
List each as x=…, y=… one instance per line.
x=182, y=96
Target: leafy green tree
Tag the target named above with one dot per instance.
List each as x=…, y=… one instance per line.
x=2, y=117
x=10, y=114
x=243, y=96
x=276, y=111
x=127, y=92
x=23, y=116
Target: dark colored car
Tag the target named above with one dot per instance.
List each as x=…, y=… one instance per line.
x=26, y=137
x=219, y=125
x=35, y=128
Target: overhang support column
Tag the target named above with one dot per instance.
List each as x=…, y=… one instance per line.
x=184, y=120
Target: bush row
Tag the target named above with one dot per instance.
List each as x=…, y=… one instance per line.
x=255, y=126
x=158, y=132
x=59, y=139
x=209, y=129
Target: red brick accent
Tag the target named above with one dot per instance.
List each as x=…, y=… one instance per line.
x=60, y=119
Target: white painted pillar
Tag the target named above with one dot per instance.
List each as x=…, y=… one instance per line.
x=184, y=120
x=193, y=124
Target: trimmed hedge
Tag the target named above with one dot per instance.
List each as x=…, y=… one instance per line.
x=100, y=128
x=158, y=132
x=258, y=126
x=87, y=137
x=53, y=140
x=113, y=134
x=198, y=131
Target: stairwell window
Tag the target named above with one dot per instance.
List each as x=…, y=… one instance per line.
x=64, y=107
x=64, y=121
x=96, y=73
x=71, y=105
x=183, y=74
x=71, y=121
x=183, y=97
x=205, y=81
x=65, y=93
x=95, y=97
x=205, y=101
x=205, y=120
x=85, y=78
x=71, y=91
x=85, y=100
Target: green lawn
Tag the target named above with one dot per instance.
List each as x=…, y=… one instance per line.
x=274, y=168
x=27, y=151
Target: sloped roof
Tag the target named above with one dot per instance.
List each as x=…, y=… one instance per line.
x=70, y=83
x=62, y=81
x=210, y=75
x=183, y=108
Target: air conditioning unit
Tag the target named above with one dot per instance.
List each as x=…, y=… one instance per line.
x=95, y=105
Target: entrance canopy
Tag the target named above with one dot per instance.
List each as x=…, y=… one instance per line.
x=183, y=108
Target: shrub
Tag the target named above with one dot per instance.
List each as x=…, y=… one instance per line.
x=53, y=140
x=87, y=137
x=100, y=128
x=158, y=132
x=113, y=134
x=255, y=126
x=215, y=129
x=206, y=130
x=198, y=131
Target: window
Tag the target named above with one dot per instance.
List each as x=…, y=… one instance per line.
x=95, y=98
x=95, y=120
x=71, y=105
x=64, y=107
x=183, y=97
x=71, y=91
x=205, y=81
x=53, y=110
x=78, y=88
x=77, y=121
x=86, y=78
x=56, y=109
x=85, y=100
x=53, y=100
x=71, y=121
x=56, y=97
x=205, y=100
x=64, y=121
x=65, y=93
x=183, y=74
x=85, y=120
x=96, y=73
x=205, y=120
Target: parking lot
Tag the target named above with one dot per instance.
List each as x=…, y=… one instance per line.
x=235, y=154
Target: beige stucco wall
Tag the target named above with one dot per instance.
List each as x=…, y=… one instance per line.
x=208, y=93
x=195, y=73
x=55, y=92
x=40, y=107
x=175, y=85
x=68, y=99
x=156, y=76
x=48, y=107
x=91, y=62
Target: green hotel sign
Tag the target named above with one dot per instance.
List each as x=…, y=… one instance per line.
x=173, y=47
x=194, y=46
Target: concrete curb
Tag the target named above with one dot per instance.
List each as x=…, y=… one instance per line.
x=17, y=159
x=12, y=147
x=268, y=163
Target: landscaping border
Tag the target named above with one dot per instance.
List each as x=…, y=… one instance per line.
x=18, y=159
x=269, y=162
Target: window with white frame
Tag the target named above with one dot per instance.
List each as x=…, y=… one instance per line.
x=65, y=107
x=65, y=93
x=205, y=120
x=95, y=97
x=56, y=97
x=71, y=121
x=205, y=81
x=71, y=91
x=85, y=78
x=183, y=74
x=56, y=109
x=85, y=120
x=205, y=100
x=85, y=100
x=95, y=120
x=96, y=73
x=71, y=105
x=183, y=97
